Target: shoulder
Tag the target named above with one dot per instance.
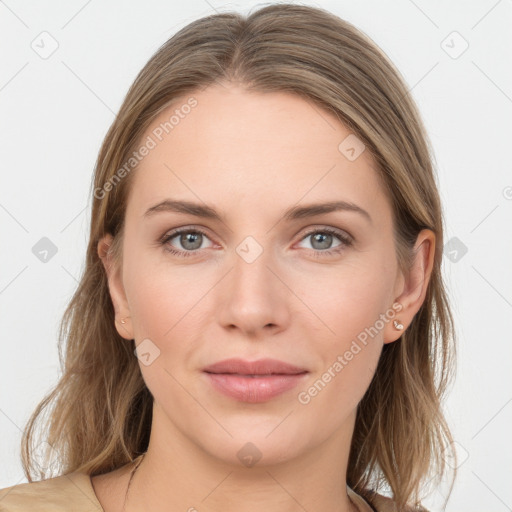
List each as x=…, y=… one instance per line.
x=59, y=494
x=385, y=504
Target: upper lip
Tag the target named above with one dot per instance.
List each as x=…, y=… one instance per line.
x=259, y=367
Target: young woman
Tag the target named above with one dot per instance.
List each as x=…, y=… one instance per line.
x=262, y=322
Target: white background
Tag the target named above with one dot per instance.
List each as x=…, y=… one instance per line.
x=55, y=112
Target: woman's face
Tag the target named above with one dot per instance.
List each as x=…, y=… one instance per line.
x=313, y=289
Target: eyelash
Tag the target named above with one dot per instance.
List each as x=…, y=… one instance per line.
x=345, y=240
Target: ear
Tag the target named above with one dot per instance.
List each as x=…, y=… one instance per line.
x=415, y=284
x=116, y=288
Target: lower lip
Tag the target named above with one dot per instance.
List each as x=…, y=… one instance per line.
x=253, y=389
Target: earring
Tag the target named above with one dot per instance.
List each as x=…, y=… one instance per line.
x=398, y=325
x=123, y=321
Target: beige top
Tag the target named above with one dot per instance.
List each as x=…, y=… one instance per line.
x=75, y=492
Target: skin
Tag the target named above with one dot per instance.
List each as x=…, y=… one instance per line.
x=251, y=156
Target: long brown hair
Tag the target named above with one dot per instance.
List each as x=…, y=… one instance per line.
x=99, y=413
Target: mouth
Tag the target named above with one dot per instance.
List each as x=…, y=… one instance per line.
x=257, y=368
x=261, y=375
x=256, y=381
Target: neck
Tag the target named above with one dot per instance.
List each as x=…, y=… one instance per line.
x=176, y=474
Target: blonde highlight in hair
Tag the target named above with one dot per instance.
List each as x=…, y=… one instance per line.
x=99, y=413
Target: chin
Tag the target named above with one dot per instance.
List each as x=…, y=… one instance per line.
x=260, y=446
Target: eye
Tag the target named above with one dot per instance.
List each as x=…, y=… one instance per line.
x=322, y=240
x=191, y=240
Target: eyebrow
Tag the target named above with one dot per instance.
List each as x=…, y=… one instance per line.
x=294, y=213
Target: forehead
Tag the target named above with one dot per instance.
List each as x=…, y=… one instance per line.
x=238, y=148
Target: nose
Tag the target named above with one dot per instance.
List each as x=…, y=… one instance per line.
x=253, y=297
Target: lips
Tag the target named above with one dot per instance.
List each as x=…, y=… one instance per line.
x=254, y=381
x=259, y=367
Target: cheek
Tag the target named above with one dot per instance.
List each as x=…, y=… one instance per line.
x=160, y=292
x=345, y=300
x=350, y=347
x=165, y=309
x=350, y=304
x=167, y=303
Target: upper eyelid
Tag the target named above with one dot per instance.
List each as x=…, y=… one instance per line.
x=339, y=231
